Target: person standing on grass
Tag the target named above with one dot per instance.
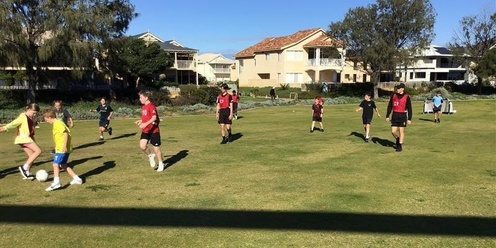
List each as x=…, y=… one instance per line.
x=368, y=106
x=25, y=125
x=235, y=100
x=272, y=94
x=63, y=148
x=401, y=107
x=150, y=130
x=437, y=106
x=224, y=113
x=317, y=113
x=105, y=114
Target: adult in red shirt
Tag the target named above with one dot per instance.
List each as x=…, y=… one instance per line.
x=150, y=131
x=224, y=113
x=401, y=107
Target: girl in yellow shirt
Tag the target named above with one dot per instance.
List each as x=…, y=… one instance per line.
x=25, y=125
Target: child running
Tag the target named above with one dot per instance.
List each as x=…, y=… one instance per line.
x=63, y=148
x=368, y=107
x=25, y=125
x=105, y=114
x=150, y=131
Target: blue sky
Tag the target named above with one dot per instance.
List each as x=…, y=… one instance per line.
x=227, y=27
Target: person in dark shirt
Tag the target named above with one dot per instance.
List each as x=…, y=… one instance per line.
x=317, y=113
x=400, y=106
x=224, y=113
x=272, y=94
x=235, y=100
x=368, y=106
x=105, y=114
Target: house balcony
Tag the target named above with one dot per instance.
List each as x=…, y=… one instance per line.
x=184, y=65
x=221, y=70
x=325, y=63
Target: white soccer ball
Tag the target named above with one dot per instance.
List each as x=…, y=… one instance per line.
x=42, y=175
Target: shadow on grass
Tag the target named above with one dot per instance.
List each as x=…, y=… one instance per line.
x=106, y=166
x=235, y=136
x=175, y=158
x=424, y=119
x=124, y=136
x=359, y=135
x=80, y=161
x=15, y=169
x=249, y=219
x=97, y=143
x=383, y=142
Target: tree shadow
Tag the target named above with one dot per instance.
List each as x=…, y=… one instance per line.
x=235, y=137
x=175, y=158
x=266, y=220
x=80, y=161
x=359, y=135
x=89, y=145
x=383, y=142
x=124, y=136
x=424, y=119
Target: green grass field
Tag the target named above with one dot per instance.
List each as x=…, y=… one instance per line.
x=276, y=185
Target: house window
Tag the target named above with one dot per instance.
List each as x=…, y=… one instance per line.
x=264, y=75
x=411, y=75
x=354, y=78
x=267, y=56
x=294, y=77
x=241, y=64
x=420, y=75
x=294, y=55
x=347, y=76
x=278, y=77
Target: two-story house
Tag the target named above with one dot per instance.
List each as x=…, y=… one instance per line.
x=184, y=70
x=303, y=57
x=433, y=64
x=216, y=67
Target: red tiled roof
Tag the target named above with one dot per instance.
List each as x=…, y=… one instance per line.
x=324, y=41
x=276, y=43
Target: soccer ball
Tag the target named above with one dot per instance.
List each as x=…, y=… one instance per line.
x=42, y=175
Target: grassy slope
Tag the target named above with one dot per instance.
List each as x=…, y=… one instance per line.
x=357, y=194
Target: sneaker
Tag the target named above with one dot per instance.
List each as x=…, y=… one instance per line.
x=224, y=140
x=322, y=130
x=53, y=187
x=161, y=167
x=151, y=157
x=76, y=181
x=366, y=139
x=109, y=130
x=438, y=120
x=25, y=174
x=100, y=139
x=311, y=130
x=399, y=148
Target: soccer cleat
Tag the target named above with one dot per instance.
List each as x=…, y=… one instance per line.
x=109, y=130
x=53, y=187
x=399, y=148
x=161, y=167
x=322, y=130
x=366, y=139
x=311, y=130
x=76, y=181
x=25, y=174
x=100, y=139
x=224, y=140
x=151, y=157
x=438, y=120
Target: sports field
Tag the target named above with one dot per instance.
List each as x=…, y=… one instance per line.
x=275, y=185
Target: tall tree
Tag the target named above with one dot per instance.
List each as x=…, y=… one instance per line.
x=35, y=34
x=385, y=34
x=477, y=34
x=134, y=59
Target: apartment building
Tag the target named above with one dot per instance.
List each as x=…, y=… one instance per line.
x=216, y=67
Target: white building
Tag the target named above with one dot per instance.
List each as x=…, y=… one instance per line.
x=215, y=67
x=434, y=64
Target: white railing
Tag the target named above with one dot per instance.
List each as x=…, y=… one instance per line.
x=325, y=62
x=221, y=70
x=184, y=64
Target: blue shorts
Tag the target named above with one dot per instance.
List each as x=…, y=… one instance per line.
x=60, y=158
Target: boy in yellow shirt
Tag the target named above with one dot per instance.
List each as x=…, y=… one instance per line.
x=63, y=148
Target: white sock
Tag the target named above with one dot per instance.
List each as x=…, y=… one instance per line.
x=25, y=167
x=76, y=177
x=151, y=156
x=56, y=180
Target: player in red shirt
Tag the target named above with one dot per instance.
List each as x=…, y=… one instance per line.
x=150, y=131
x=235, y=100
x=224, y=113
x=401, y=107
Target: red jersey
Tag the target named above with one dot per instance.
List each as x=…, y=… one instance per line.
x=235, y=98
x=399, y=104
x=224, y=100
x=147, y=112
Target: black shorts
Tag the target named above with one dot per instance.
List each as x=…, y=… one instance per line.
x=436, y=109
x=224, y=116
x=235, y=107
x=153, y=138
x=398, y=119
x=104, y=123
x=317, y=118
x=366, y=120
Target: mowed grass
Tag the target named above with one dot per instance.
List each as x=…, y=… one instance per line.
x=276, y=185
